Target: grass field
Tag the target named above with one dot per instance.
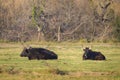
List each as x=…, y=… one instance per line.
x=69, y=66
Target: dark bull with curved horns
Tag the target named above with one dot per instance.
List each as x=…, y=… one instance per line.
x=92, y=55
x=38, y=53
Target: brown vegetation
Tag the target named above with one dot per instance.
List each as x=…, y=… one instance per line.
x=59, y=20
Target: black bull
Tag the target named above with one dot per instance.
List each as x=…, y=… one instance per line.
x=92, y=55
x=38, y=53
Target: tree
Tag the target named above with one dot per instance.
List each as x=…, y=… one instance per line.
x=103, y=16
x=58, y=20
x=38, y=17
x=116, y=29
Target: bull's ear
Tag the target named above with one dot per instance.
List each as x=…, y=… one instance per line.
x=29, y=47
x=84, y=49
x=90, y=48
x=27, y=50
x=24, y=48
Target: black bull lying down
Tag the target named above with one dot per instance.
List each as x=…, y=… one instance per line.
x=38, y=53
x=92, y=55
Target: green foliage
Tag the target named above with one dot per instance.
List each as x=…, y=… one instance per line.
x=116, y=30
x=37, y=10
x=33, y=15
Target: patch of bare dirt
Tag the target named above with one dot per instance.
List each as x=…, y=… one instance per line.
x=77, y=74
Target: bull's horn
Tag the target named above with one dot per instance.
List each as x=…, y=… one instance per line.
x=90, y=47
x=29, y=47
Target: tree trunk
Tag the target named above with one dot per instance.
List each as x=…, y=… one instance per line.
x=40, y=35
x=59, y=34
x=93, y=32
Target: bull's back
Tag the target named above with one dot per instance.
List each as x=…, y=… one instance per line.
x=47, y=53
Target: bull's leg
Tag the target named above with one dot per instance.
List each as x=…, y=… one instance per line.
x=29, y=58
x=84, y=57
x=99, y=57
x=38, y=58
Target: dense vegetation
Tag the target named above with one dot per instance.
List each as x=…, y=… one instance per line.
x=60, y=20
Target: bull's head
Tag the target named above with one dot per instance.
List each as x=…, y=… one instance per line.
x=86, y=52
x=25, y=52
x=86, y=49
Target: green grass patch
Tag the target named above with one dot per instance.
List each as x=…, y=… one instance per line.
x=69, y=65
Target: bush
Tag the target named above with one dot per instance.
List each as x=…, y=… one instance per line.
x=116, y=29
x=58, y=72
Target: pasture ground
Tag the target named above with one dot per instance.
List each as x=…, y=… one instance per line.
x=69, y=66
